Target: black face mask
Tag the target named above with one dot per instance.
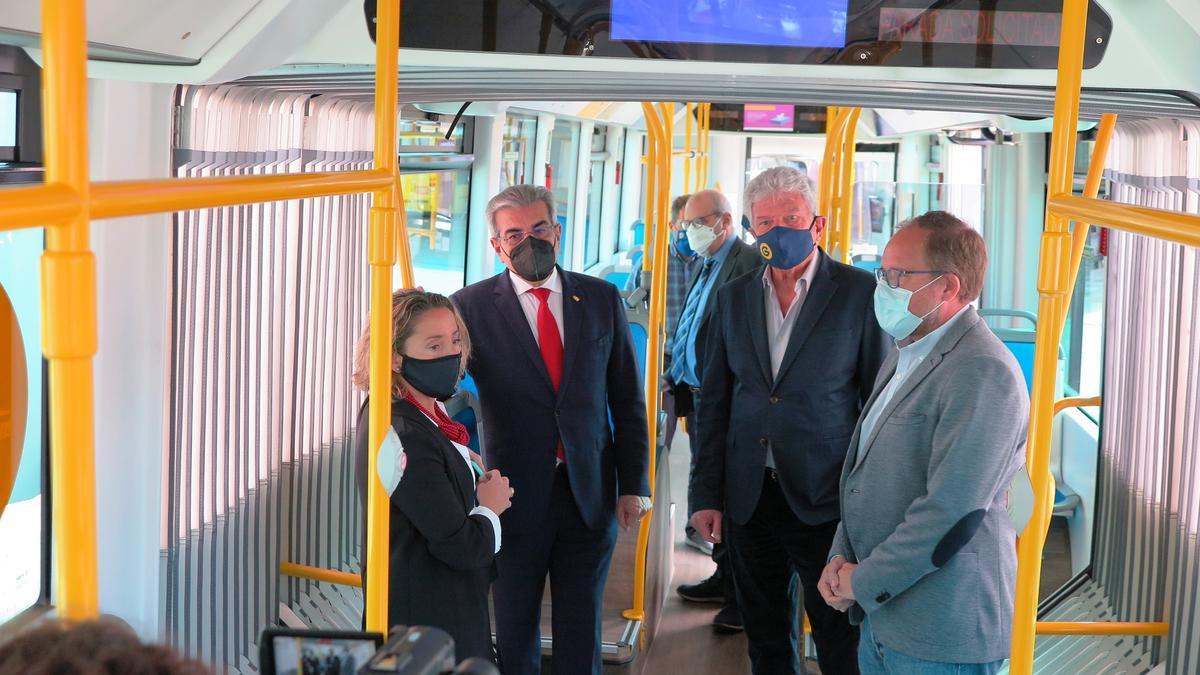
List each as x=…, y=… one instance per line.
x=433, y=377
x=533, y=259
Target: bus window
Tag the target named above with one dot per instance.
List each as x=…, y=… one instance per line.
x=436, y=205
x=520, y=136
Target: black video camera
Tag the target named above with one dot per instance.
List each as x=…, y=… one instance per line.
x=410, y=651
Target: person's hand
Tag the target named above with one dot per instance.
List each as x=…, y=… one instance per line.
x=494, y=492
x=845, y=589
x=664, y=385
x=708, y=523
x=829, y=583
x=631, y=509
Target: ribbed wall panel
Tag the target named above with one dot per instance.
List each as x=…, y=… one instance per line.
x=1147, y=553
x=267, y=302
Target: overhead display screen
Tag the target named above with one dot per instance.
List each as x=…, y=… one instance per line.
x=967, y=27
x=1020, y=34
x=799, y=23
x=768, y=117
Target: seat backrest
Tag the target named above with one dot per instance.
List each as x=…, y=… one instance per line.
x=641, y=338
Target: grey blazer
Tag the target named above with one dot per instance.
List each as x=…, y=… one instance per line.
x=923, y=504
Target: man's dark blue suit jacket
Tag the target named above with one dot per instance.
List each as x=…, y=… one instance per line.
x=523, y=416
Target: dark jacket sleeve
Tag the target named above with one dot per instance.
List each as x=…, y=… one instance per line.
x=427, y=498
x=707, y=486
x=872, y=350
x=628, y=407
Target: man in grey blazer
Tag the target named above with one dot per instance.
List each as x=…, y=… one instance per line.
x=924, y=558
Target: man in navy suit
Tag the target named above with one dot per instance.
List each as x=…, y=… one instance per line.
x=790, y=364
x=552, y=356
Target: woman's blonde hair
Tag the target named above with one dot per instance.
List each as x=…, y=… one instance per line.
x=408, y=306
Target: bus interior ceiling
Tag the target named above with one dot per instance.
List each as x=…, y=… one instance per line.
x=224, y=409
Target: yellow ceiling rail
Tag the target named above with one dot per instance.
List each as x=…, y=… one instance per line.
x=1155, y=628
x=1181, y=228
x=69, y=311
x=659, y=132
x=1076, y=402
x=292, y=569
x=117, y=199
x=385, y=236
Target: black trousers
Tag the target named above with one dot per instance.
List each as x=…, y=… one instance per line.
x=720, y=554
x=765, y=553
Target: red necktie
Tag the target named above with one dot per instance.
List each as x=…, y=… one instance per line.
x=550, y=343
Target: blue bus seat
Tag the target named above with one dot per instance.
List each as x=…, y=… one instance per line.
x=617, y=278
x=866, y=261
x=634, y=257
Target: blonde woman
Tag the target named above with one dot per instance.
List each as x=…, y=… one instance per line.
x=445, y=526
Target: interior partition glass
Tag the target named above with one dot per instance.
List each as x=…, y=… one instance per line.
x=561, y=174
x=520, y=136
x=595, y=196
x=436, y=205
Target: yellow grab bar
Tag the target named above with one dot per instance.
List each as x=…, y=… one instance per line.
x=845, y=187
x=1181, y=228
x=292, y=569
x=1075, y=402
x=1156, y=628
x=38, y=206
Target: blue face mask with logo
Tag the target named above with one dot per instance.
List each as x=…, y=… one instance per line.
x=784, y=247
x=682, y=245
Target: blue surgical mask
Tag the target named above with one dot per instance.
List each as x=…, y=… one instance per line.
x=891, y=309
x=784, y=247
x=682, y=245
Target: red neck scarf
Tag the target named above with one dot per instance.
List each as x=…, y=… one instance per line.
x=455, y=431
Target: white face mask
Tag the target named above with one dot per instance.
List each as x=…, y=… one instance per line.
x=700, y=237
x=891, y=309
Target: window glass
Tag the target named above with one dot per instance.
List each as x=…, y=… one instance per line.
x=564, y=160
x=1083, y=335
x=419, y=132
x=23, y=527
x=520, y=136
x=8, y=119
x=436, y=206
x=595, y=196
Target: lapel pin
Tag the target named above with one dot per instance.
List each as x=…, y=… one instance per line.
x=575, y=298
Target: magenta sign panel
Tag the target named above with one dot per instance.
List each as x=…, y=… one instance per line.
x=768, y=117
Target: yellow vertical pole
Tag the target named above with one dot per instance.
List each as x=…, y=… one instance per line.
x=846, y=184
x=687, y=146
x=381, y=248
x=69, y=307
x=659, y=130
x=1091, y=188
x=702, y=179
x=1053, y=268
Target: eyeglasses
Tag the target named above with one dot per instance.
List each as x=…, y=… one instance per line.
x=541, y=231
x=698, y=222
x=893, y=277
x=791, y=220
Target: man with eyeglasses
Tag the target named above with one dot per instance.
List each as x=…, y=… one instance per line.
x=552, y=356
x=924, y=557
x=792, y=358
x=707, y=224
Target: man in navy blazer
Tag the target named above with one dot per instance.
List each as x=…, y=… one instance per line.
x=791, y=361
x=551, y=357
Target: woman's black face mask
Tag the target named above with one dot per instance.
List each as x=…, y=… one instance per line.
x=433, y=377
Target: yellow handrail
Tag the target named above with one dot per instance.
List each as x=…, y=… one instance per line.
x=385, y=236
x=1157, y=628
x=658, y=184
x=1075, y=402
x=1181, y=228
x=292, y=569
x=37, y=206
x=69, y=308
x=1053, y=283
x=846, y=184
x=687, y=146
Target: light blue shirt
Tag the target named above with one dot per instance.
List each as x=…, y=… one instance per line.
x=684, y=370
x=910, y=356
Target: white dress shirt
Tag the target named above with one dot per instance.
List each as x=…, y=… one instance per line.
x=484, y=511
x=780, y=323
x=909, y=357
x=530, y=302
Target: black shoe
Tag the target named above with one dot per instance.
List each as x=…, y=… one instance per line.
x=728, y=620
x=711, y=589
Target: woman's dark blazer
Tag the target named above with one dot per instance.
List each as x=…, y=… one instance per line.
x=441, y=559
